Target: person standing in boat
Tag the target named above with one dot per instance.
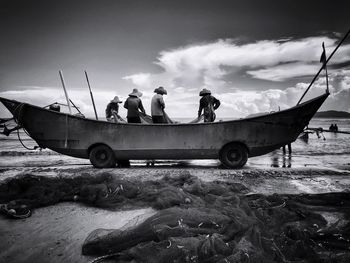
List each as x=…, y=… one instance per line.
x=158, y=105
x=209, y=104
x=113, y=109
x=133, y=104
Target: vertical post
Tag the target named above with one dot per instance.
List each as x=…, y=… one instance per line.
x=325, y=66
x=92, y=97
x=327, y=78
x=65, y=91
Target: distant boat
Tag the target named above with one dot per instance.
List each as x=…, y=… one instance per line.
x=106, y=143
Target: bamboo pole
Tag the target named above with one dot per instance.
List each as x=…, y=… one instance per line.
x=325, y=67
x=92, y=97
x=318, y=73
x=65, y=91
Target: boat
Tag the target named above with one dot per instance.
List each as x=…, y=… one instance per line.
x=106, y=143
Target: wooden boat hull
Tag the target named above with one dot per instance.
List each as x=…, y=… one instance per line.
x=76, y=136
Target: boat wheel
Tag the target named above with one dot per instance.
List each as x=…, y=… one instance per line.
x=101, y=156
x=234, y=155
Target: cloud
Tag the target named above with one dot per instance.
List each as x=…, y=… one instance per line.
x=140, y=79
x=284, y=71
x=215, y=65
x=206, y=64
x=250, y=102
x=43, y=96
x=183, y=102
x=219, y=66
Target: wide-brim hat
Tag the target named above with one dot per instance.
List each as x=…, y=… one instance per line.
x=204, y=92
x=135, y=93
x=116, y=100
x=161, y=90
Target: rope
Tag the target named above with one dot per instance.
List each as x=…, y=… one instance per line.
x=18, y=121
x=5, y=120
x=20, y=140
x=4, y=209
x=20, y=106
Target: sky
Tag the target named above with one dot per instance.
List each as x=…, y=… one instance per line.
x=255, y=56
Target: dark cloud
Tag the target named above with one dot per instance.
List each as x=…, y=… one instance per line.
x=117, y=38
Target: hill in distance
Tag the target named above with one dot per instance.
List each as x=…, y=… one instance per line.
x=332, y=114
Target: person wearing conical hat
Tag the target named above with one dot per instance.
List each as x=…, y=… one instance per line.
x=113, y=105
x=113, y=109
x=158, y=105
x=133, y=104
x=208, y=104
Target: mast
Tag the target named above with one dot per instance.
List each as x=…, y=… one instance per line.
x=92, y=97
x=65, y=91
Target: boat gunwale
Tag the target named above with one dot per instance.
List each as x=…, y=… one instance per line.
x=177, y=124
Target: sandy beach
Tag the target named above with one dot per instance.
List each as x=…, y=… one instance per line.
x=56, y=232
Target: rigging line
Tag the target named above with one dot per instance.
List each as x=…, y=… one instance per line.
x=20, y=140
x=4, y=120
x=14, y=111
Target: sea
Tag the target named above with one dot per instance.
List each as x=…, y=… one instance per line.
x=323, y=150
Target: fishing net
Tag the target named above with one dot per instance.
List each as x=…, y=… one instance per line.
x=198, y=221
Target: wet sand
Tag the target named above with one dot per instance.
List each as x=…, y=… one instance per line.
x=56, y=233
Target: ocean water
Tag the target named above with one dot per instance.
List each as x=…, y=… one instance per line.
x=330, y=150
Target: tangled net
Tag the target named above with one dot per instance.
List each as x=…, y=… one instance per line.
x=198, y=221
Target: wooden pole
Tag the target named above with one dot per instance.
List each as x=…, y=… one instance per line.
x=325, y=67
x=65, y=91
x=92, y=97
x=326, y=78
x=318, y=73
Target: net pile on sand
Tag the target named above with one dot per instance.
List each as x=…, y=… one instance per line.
x=199, y=221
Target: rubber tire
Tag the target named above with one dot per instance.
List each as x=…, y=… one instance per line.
x=234, y=155
x=101, y=156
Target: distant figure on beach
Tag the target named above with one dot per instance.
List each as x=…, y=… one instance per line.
x=289, y=148
x=333, y=127
x=133, y=104
x=113, y=109
x=158, y=105
x=209, y=104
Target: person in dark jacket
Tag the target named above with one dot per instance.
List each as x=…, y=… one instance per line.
x=208, y=104
x=133, y=104
x=158, y=105
x=113, y=109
